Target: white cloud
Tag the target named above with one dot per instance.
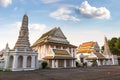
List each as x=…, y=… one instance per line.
x=36, y=31
x=5, y=3
x=37, y=27
x=87, y=11
x=10, y=34
x=50, y=1
x=63, y=14
x=32, y=27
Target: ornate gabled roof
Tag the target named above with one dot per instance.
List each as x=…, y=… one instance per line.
x=55, y=36
x=87, y=47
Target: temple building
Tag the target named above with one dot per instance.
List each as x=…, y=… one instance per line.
x=54, y=47
x=21, y=57
x=111, y=59
x=88, y=52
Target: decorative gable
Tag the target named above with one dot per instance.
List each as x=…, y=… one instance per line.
x=59, y=34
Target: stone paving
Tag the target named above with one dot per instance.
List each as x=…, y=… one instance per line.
x=90, y=73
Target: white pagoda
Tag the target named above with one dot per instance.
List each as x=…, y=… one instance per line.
x=22, y=57
x=111, y=59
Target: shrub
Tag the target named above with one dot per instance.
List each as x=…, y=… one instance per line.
x=1, y=70
x=77, y=64
x=44, y=64
x=94, y=63
x=5, y=70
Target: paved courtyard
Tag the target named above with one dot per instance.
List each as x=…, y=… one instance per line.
x=90, y=73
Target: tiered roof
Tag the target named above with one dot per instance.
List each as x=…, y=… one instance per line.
x=23, y=38
x=59, y=54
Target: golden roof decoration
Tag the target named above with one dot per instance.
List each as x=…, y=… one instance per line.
x=57, y=57
x=60, y=52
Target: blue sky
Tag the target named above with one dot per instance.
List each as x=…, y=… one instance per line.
x=80, y=20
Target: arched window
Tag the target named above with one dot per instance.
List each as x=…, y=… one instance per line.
x=20, y=61
x=11, y=62
x=29, y=61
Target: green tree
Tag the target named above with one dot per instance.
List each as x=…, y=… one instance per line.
x=114, y=45
x=117, y=45
x=112, y=42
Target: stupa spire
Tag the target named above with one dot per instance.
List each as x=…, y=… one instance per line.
x=23, y=38
x=7, y=46
x=107, y=51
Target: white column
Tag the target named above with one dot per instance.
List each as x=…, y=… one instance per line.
x=53, y=64
x=44, y=50
x=7, y=61
x=72, y=52
x=113, y=60
x=72, y=63
x=39, y=52
x=15, y=61
x=24, y=62
x=64, y=63
x=98, y=62
x=56, y=63
x=33, y=62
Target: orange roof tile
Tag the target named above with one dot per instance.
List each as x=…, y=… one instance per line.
x=85, y=50
x=86, y=47
x=86, y=44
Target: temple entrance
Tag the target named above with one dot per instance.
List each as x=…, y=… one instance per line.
x=68, y=63
x=20, y=61
x=29, y=61
x=101, y=62
x=60, y=63
x=11, y=62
